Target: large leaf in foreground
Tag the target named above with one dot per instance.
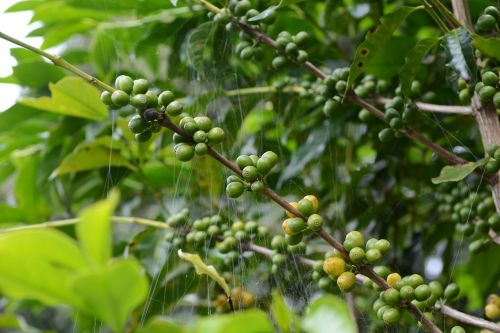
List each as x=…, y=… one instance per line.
x=71, y=96
x=458, y=45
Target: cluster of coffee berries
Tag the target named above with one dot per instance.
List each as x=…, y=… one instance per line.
x=289, y=46
x=253, y=169
x=489, y=20
x=492, y=307
x=473, y=212
x=242, y=299
x=488, y=89
x=243, y=9
x=283, y=248
x=397, y=114
x=411, y=288
x=295, y=226
x=359, y=252
x=333, y=89
x=369, y=86
x=201, y=133
x=337, y=270
x=465, y=91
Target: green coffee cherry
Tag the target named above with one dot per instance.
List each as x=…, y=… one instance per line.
x=257, y=186
x=364, y=115
x=201, y=148
x=391, y=296
x=415, y=280
x=264, y=165
x=190, y=127
x=301, y=38
x=278, y=242
x=315, y=222
x=436, y=288
x=247, y=53
x=140, y=101
x=486, y=22
x=492, y=166
x=330, y=106
x=281, y=42
x=386, y=135
x=382, y=245
x=294, y=225
x=464, y=96
x=234, y=189
x=136, y=124
x=489, y=78
x=120, y=98
x=391, y=316
x=357, y=255
x=242, y=7
x=166, y=97
x=373, y=256
x=216, y=135
x=406, y=293
x=451, y=291
x=383, y=271
x=240, y=46
x=496, y=99
x=243, y=161
x=174, y=108
x=305, y=207
x=184, y=152
x=124, y=83
x=250, y=173
x=200, y=136
x=291, y=48
x=416, y=88
x=302, y=56
x=341, y=86
x=278, y=62
x=422, y=292
x=203, y=123
x=493, y=11
x=294, y=239
x=152, y=98
x=140, y=86
x=144, y=136
x=382, y=310
x=354, y=239
x=457, y=329
x=106, y=98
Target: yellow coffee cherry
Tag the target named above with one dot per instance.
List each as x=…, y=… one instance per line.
x=294, y=205
x=334, y=266
x=314, y=201
x=493, y=299
x=492, y=311
x=392, y=279
x=346, y=281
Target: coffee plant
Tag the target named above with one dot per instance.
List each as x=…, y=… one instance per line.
x=252, y=166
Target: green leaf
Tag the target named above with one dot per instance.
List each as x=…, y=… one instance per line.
x=458, y=45
x=283, y=317
x=111, y=292
x=58, y=33
x=329, y=314
x=488, y=46
x=388, y=61
x=94, y=230
x=255, y=120
x=250, y=321
x=71, y=96
x=197, y=45
x=36, y=74
x=174, y=2
x=161, y=325
x=413, y=62
x=456, y=173
x=376, y=40
x=89, y=158
x=38, y=264
x=202, y=268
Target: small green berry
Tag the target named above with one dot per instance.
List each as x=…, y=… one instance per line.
x=243, y=161
x=144, y=136
x=257, y=186
x=422, y=292
x=184, y=152
x=264, y=165
x=136, y=124
x=120, y=98
x=302, y=56
x=489, y=78
x=357, y=255
x=166, y=97
x=486, y=22
x=200, y=136
x=373, y=256
x=305, y=207
x=278, y=62
x=247, y=53
x=216, y=135
x=124, y=83
x=235, y=189
x=451, y=291
x=457, y=329
x=140, y=101
x=201, y=148
x=203, y=123
x=152, y=98
x=174, y=108
x=391, y=316
x=315, y=222
x=141, y=86
x=250, y=173
x=301, y=38
x=106, y=98
x=391, y=296
x=354, y=239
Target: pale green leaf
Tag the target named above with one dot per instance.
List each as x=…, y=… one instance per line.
x=111, y=292
x=89, y=158
x=161, y=325
x=250, y=321
x=71, y=96
x=38, y=264
x=202, y=268
x=376, y=40
x=455, y=173
x=94, y=230
x=283, y=317
x=197, y=46
x=329, y=314
x=264, y=14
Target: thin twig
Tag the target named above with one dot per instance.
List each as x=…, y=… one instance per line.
x=449, y=109
x=468, y=319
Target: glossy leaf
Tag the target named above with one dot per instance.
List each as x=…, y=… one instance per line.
x=161, y=325
x=455, y=173
x=488, y=46
x=49, y=259
x=94, y=230
x=204, y=269
x=458, y=45
x=71, y=96
x=111, y=292
x=376, y=40
x=250, y=321
x=197, y=46
x=283, y=317
x=329, y=314
x=413, y=62
x=264, y=14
